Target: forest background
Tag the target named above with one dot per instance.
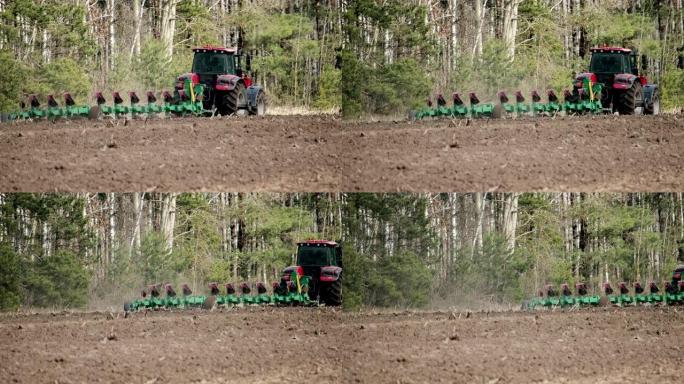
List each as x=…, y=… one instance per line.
x=363, y=57
x=400, y=250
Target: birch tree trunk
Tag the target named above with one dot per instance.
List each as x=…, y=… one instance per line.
x=138, y=206
x=168, y=219
x=138, y=9
x=111, y=200
x=510, y=221
x=480, y=9
x=168, y=24
x=111, y=51
x=510, y=26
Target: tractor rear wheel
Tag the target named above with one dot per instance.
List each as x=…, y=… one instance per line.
x=331, y=294
x=260, y=108
x=654, y=107
x=232, y=101
x=626, y=102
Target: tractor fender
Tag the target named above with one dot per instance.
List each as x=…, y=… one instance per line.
x=330, y=273
x=649, y=91
x=252, y=93
x=623, y=81
x=227, y=82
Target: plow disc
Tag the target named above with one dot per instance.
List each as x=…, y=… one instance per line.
x=285, y=293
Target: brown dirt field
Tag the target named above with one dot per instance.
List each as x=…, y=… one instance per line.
x=264, y=345
x=319, y=153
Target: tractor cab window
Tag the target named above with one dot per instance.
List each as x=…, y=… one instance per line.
x=610, y=63
x=215, y=63
x=315, y=256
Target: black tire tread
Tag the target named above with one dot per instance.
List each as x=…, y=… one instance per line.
x=649, y=109
x=331, y=295
x=261, y=98
x=626, y=102
x=228, y=104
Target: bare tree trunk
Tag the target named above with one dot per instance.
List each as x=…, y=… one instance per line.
x=138, y=206
x=510, y=26
x=138, y=9
x=479, y=199
x=510, y=222
x=480, y=10
x=111, y=200
x=168, y=219
x=111, y=7
x=168, y=24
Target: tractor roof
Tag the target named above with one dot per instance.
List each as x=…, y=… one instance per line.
x=209, y=48
x=611, y=49
x=325, y=243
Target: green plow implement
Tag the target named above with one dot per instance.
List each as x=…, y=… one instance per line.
x=550, y=298
x=285, y=293
x=183, y=102
x=458, y=108
x=585, y=100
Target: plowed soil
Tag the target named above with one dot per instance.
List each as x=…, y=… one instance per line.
x=269, y=345
x=318, y=153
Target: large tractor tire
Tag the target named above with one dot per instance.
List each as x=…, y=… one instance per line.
x=626, y=102
x=260, y=108
x=331, y=294
x=233, y=102
x=654, y=107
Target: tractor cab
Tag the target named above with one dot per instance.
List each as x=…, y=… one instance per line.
x=606, y=62
x=613, y=79
x=226, y=84
x=321, y=261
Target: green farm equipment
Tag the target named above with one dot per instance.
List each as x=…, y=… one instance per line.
x=671, y=294
x=612, y=84
x=315, y=279
x=220, y=83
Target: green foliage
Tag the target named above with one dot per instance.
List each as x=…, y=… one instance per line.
x=391, y=88
x=495, y=70
x=219, y=271
x=402, y=280
x=12, y=80
x=354, y=76
x=152, y=68
x=672, y=89
x=493, y=270
x=63, y=75
x=623, y=29
x=10, y=278
x=329, y=96
x=285, y=45
x=153, y=262
x=374, y=83
x=57, y=281
x=195, y=21
x=355, y=278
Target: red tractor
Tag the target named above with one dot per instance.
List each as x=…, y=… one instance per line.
x=624, y=89
x=228, y=87
x=321, y=261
